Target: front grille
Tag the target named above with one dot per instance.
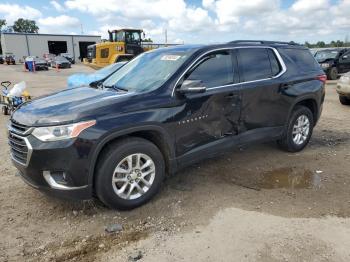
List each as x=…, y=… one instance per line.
x=19, y=148
x=19, y=145
x=18, y=128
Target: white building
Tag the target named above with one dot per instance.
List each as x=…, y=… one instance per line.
x=26, y=44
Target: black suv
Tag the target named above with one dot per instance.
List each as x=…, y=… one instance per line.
x=334, y=61
x=162, y=111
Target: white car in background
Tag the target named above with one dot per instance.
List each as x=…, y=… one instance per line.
x=343, y=89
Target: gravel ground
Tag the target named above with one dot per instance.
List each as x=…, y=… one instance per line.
x=255, y=203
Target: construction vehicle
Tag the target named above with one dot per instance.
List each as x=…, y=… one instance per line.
x=123, y=45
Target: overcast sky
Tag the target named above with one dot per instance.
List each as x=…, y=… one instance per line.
x=191, y=21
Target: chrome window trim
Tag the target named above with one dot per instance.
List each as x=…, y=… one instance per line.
x=279, y=58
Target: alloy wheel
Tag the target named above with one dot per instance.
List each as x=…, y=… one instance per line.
x=301, y=130
x=133, y=176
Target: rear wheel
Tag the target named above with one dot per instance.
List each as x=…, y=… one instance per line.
x=344, y=100
x=299, y=130
x=130, y=172
x=333, y=74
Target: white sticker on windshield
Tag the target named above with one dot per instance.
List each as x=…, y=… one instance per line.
x=170, y=57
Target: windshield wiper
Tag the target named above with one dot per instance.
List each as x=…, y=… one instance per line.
x=116, y=88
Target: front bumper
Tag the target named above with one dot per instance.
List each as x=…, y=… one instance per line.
x=82, y=193
x=65, y=65
x=59, y=168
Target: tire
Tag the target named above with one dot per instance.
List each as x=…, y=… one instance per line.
x=333, y=74
x=5, y=110
x=288, y=140
x=112, y=158
x=344, y=100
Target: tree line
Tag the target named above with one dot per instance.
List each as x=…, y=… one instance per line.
x=321, y=44
x=20, y=26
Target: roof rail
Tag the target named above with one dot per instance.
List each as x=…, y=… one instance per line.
x=262, y=42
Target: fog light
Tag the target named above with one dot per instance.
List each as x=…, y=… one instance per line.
x=56, y=179
x=60, y=180
x=59, y=177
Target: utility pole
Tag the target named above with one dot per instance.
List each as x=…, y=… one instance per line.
x=166, y=36
x=81, y=27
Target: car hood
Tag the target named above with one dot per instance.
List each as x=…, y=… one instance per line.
x=325, y=60
x=67, y=106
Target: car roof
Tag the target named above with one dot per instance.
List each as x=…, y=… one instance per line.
x=237, y=43
x=333, y=49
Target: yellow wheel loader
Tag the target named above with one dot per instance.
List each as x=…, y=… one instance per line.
x=123, y=45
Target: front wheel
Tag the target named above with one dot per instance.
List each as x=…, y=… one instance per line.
x=299, y=130
x=130, y=172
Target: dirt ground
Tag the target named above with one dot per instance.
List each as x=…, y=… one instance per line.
x=255, y=203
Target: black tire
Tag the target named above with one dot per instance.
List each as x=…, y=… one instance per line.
x=344, y=100
x=110, y=158
x=286, y=142
x=333, y=74
x=5, y=110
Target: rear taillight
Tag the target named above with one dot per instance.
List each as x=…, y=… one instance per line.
x=322, y=78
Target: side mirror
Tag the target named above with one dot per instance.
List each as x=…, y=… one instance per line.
x=345, y=57
x=192, y=86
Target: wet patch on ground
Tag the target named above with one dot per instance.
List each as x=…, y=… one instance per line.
x=290, y=178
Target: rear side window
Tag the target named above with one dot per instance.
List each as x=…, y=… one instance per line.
x=215, y=70
x=255, y=63
x=302, y=58
x=275, y=65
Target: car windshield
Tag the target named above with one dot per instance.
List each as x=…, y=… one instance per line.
x=108, y=69
x=326, y=54
x=147, y=71
x=61, y=59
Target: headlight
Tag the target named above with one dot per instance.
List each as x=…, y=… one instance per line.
x=55, y=133
x=325, y=65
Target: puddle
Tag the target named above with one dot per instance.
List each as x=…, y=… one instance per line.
x=290, y=178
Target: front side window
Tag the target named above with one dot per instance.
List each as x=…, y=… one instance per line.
x=213, y=70
x=255, y=63
x=104, y=52
x=346, y=57
x=132, y=37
